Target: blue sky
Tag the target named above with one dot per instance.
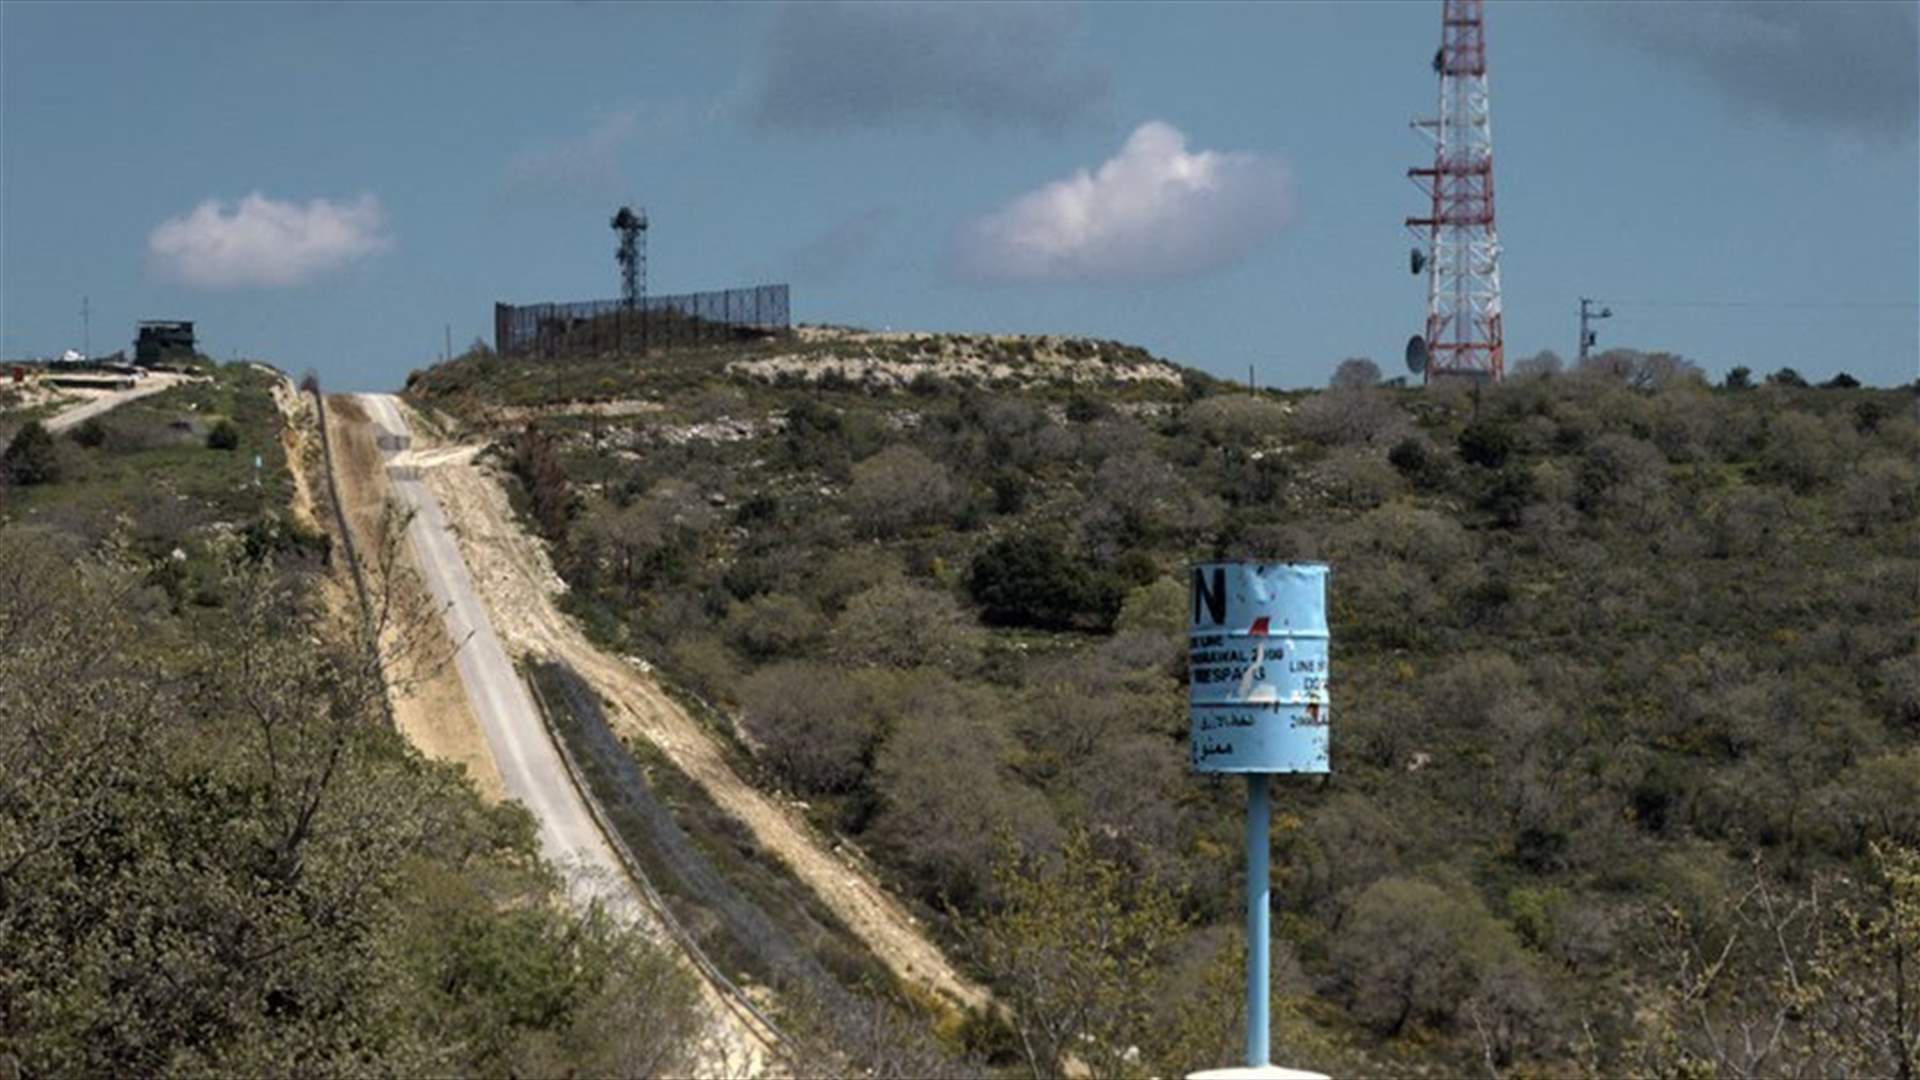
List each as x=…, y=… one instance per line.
x=377, y=171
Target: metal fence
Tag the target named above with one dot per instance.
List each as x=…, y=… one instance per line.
x=593, y=327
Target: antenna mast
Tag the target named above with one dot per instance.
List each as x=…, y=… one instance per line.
x=631, y=255
x=1462, y=250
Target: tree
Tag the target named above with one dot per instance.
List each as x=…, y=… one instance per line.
x=217, y=857
x=31, y=458
x=1544, y=364
x=1739, y=378
x=1782, y=983
x=1242, y=421
x=774, y=625
x=1882, y=492
x=1347, y=417
x=1642, y=371
x=1415, y=951
x=815, y=726
x=1355, y=373
x=1029, y=580
x=536, y=461
x=948, y=807
x=1842, y=381
x=896, y=489
x=1786, y=376
x=1077, y=950
x=896, y=624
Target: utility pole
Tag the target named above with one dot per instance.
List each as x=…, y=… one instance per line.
x=1588, y=315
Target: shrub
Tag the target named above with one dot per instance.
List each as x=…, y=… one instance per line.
x=1238, y=420
x=536, y=461
x=1085, y=409
x=90, y=433
x=899, y=625
x=1416, y=951
x=223, y=436
x=30, y=458
x=774, y=625
x=1029, y=580
x=1615, y=463
x=1357, y=477
x=1804, y=451
x=1158, y=607
x=813, y=725
x=946, y=798
x=1009, y=488
x=1410, y=456
x=1487, y=443
x=1544, y=364
x=1347, y=417
x=897, y=489
x=1883, y=491
x=1508, y=496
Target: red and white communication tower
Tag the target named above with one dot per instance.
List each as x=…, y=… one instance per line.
x=1460, y=249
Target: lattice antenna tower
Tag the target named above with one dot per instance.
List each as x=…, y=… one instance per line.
x=631, y=255
x=1460, y=249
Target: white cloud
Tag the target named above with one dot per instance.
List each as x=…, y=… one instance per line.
x=265, y=242
x=1152, y=211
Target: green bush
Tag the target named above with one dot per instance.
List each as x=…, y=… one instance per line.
x=1029, y=580
x=90, y=433
x=224, y=436
x=31, y=458
x=1486, y=443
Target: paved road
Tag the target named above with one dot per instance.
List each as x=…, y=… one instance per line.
x=152, y=384
x=529, y=766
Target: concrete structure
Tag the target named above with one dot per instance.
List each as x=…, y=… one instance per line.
x=160, y=340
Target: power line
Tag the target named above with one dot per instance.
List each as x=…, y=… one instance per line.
x=1805, y=304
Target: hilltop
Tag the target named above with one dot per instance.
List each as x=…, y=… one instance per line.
x=1613, y=649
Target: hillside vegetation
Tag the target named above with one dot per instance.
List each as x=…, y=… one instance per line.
x=216, y=856
x=1618, y=656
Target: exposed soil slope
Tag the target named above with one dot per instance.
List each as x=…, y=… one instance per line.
x=512, y=571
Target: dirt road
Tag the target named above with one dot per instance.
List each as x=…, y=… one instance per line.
x=530, y=767
x=98, y=402
x=512, y=572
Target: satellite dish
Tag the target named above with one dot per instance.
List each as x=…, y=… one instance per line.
x=1416, y=354
x=1417, y=259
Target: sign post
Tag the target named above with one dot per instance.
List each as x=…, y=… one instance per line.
x=1258, y=705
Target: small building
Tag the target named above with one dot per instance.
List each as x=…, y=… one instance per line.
x=161, y=340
